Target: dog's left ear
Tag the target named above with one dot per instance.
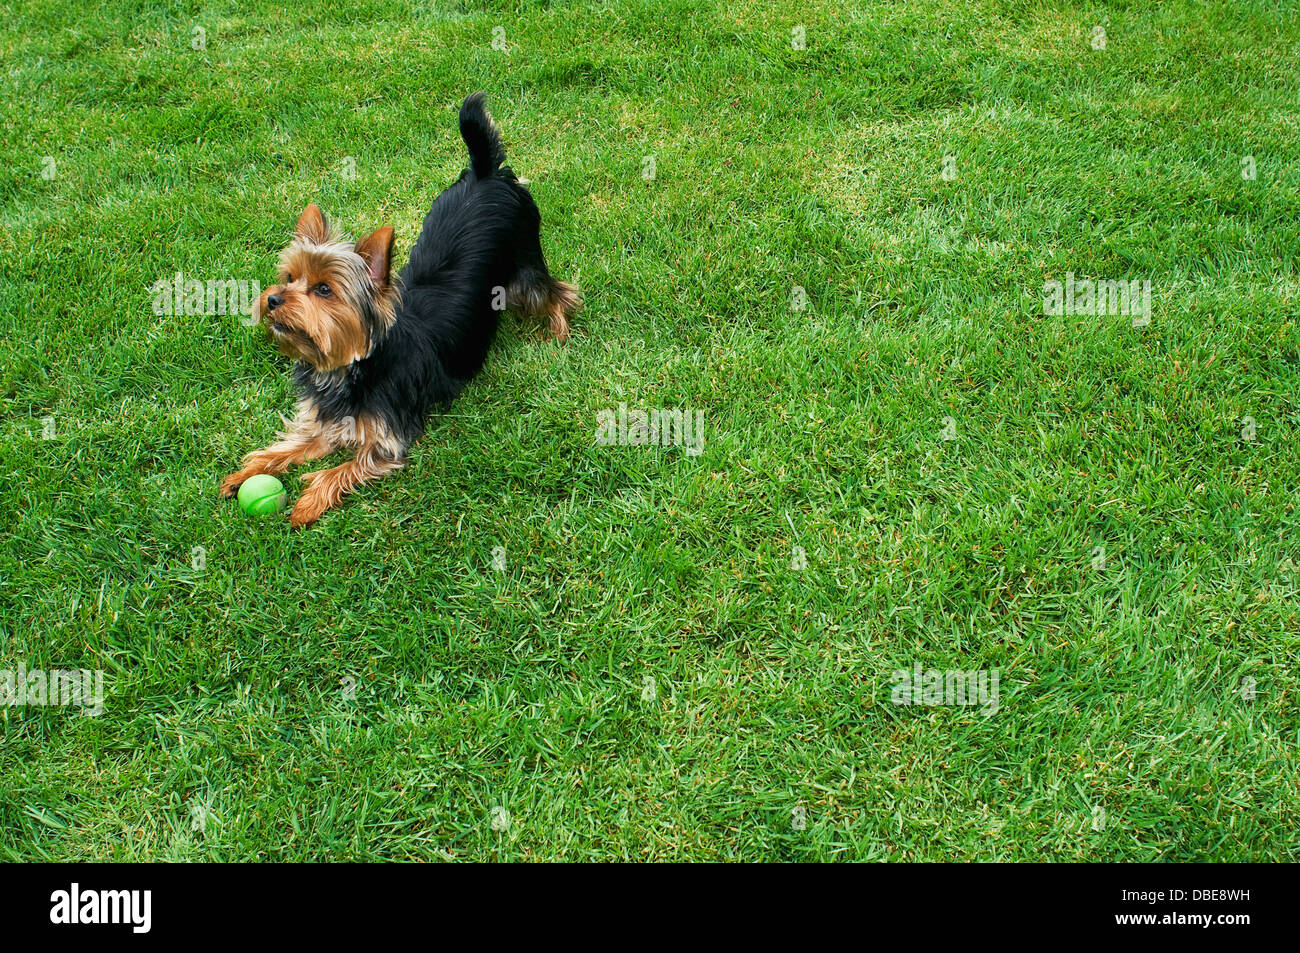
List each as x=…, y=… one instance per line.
x=376, y=250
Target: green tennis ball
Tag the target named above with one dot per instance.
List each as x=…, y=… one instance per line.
x=262, y=495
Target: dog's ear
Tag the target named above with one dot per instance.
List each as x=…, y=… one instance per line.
x=376, y=250
x=312, y=227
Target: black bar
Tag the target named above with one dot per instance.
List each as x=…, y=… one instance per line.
x=218, y=903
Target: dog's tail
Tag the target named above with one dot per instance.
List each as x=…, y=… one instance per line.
x=480, y=134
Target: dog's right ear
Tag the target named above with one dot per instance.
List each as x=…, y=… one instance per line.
x=311, y=226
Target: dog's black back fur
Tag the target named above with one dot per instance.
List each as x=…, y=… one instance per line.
x=480, y=237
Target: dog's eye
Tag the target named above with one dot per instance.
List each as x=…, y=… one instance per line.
x=323, y=290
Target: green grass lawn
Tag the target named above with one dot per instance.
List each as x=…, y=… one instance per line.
x=531, y=646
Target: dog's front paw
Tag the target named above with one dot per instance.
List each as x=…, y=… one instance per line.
x=231, y=484
x=308, y=509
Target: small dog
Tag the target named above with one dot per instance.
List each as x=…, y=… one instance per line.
x=376, y=355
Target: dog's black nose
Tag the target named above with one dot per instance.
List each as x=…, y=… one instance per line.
x=274, y=301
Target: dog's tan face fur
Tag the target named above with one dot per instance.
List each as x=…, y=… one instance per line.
x=326, y=287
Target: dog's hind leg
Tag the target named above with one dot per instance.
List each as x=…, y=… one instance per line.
x=531, y=289
x=535, y=293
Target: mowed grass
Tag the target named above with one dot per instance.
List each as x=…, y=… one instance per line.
x=649, y=677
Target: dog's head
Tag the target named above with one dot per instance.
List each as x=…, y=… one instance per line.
x=334, y=300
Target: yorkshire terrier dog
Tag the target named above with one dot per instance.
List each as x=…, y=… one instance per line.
x=375, y=355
